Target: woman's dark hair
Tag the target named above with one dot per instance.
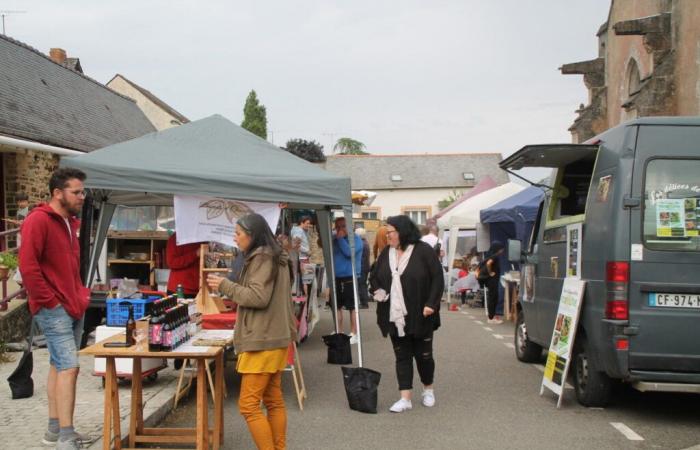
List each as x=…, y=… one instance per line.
x=303, y=219
x=260, y=234
x=408, y=231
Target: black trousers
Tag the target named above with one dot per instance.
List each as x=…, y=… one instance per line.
x=362, y=288
x=492, y=296
x=408, y=348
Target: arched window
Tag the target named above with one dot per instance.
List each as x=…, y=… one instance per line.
x=633, y=80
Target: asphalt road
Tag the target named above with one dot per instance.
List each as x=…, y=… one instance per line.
x=486, y=399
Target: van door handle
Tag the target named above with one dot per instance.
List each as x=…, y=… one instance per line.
x=631, y=202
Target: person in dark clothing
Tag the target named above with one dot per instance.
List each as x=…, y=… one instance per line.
x=364, y=271
x=494, y=271
x=407, y=282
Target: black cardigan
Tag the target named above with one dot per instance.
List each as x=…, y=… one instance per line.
x=423, y=283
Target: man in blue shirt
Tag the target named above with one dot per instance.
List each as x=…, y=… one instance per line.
x=343, y=274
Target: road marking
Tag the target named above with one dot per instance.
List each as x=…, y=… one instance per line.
x=479, y=322
x=694, y=447
x=487, y=329
x=498, y=336
x=626, y=431
x=510, y=345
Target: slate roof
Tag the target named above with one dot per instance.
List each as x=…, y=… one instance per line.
x=148, y=94
x=417, y=170
x=45, y=102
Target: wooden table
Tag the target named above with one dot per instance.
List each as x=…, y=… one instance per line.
x=201, y=435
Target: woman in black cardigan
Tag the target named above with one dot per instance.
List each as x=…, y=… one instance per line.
x=407, y=282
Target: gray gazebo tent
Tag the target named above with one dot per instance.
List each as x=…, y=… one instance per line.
x=209, y=157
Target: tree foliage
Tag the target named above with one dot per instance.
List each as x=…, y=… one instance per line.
x=255, y=116
x=311, y=151
x=348, y=146
x=450, y=199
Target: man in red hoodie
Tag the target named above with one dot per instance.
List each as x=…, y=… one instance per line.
x=50, y=265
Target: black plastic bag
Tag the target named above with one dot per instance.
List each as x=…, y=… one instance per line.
x=339, y=351
x=361, y=388
x=20, y=380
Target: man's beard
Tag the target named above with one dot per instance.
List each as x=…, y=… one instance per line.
x=72, y=210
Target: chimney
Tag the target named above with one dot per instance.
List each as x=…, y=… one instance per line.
x=58, y=55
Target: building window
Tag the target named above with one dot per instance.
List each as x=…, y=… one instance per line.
x=468, y=176
x=418, y=214
x=369, y=215
x=396, y=178
x=633, y=78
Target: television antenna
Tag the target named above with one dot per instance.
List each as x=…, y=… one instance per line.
x=7, y=12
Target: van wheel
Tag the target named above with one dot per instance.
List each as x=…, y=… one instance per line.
x=593, y=387
x=525, y=349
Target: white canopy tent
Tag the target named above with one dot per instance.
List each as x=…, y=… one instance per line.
x=466, y=216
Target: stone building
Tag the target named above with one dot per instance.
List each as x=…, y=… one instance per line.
x=49, y=109
x=648, y=64
x=161, y=115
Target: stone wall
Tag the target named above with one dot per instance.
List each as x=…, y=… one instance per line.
x=29, y=173
x=648, y=65
x=14, y=324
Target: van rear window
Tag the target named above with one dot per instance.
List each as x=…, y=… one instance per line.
x=672, y=205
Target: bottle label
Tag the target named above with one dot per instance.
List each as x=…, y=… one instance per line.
x=167, y=338
x=155, y=333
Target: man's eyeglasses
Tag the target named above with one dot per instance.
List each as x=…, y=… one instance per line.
x=78, y=193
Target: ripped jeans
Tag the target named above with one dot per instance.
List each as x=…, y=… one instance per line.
x=407, y=349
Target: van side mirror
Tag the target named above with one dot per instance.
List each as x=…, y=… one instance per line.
x=515, y=251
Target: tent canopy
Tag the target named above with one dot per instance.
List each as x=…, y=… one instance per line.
x=466, y=214
x=485, y=184
x=208, y=157
x=521, y=207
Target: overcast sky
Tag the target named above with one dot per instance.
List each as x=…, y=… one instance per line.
x=402, y=76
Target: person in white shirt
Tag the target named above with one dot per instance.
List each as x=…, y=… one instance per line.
x=430, y=237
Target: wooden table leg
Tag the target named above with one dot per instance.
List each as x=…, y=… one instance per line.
x=112, y=406
x=219, y=401
x=136, y=417
x=107, y=420
x=202, y=406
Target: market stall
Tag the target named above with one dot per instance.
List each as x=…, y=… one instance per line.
x=465, y=216
x=513, y=218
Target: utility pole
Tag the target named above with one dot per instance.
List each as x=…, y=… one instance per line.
x=4, y=13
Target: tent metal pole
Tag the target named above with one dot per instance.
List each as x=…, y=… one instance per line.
x=331, y=281
x=353, y=263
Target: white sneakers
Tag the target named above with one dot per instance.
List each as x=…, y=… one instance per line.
x=404, y=405
x=494, y=321
x=353, y=339
x=428, y=398
x=401, y=406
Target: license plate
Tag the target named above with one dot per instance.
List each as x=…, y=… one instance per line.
x=675, y=300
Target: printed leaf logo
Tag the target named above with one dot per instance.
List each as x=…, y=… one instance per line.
x=232, y=209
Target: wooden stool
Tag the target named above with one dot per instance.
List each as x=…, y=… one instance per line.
x=294, y=366
x=181, y=390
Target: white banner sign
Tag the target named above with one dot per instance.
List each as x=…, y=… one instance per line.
x=208, y=219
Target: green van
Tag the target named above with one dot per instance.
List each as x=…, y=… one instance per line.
x=635, y=190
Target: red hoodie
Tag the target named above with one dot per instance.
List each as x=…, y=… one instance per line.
x=183, y=262
x=49, y=260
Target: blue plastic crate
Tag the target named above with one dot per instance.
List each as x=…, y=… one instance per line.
x=118, y=309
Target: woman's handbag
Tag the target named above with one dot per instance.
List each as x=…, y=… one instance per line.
x=361, y=388
x=20, y=380
x=339, y=351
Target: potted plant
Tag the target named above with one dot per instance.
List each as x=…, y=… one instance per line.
x=8, y=262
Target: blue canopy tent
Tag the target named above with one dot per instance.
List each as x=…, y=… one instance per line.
x=514, y=217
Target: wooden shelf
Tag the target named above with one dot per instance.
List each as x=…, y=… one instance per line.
x=127, y=261
x=157, y=235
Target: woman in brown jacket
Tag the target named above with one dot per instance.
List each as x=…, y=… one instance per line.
x=264, y=328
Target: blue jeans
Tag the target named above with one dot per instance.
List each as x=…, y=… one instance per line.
x=63, y=335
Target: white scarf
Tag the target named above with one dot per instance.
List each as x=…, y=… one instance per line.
x=397, y=307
